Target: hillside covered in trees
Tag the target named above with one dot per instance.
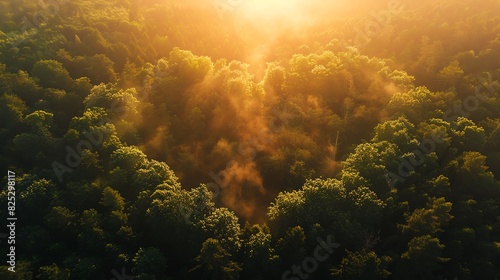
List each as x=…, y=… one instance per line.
x=250, y=139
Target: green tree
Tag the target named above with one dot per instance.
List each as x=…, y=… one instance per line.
x=37, y=198
x=62, y=222
x=223, y=225
x=149, y=263
x=451, y=74
x=12, y=110
x=152, y=174
x=128, y=158
x=184, y=64
x=111, y=200
x=431, y=220
x=260, y=259
x=362, y=265
x=23, y=271
x=168, y=224
x=415, y=105
x=102, y=69
x=118, y=102
x=423, y=257
x=400, y=132
x=53, y=272
x=290, y=247
x=372, y=161
x=470, y=175
x=215, y=262
x=114, y=217
x=52, y=74
x=91, y=237
x=36, y=145
x=468, y=136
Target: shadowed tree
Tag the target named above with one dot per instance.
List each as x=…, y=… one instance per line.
x=149, y=263
x=422, y=258
x=361, y=265
x=52, y=74
x=260, y=260
x=53, y=272
x=215, y=263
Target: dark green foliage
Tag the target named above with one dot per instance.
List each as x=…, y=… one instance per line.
x=143, y=134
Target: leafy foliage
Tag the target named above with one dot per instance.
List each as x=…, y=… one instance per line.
x=143, y=134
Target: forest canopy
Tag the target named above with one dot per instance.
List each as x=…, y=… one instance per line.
x=250, y=139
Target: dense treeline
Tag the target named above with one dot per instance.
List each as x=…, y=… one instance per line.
x=153, y=136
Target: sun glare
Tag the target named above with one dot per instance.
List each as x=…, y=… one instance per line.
x=261, y=20
x=271, y=8
x=272, y=4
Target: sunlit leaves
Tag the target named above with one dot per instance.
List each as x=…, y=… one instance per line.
x=198, y=115
x=185, y=64
x=471, y=171
x=92, y=120
x=154, y=174
x=399, y=132
x=451, y=73
x=223, y=225
x=40, y=139
x=468, y=136
x=274, y=78
x=327, y=203
x=429, y=220
x=111, y=200
x=287, y=207
x=118, y=102
x=372, y=162
x=409, y=103
x=202, y=203
x=128, y=158
x=402, y=79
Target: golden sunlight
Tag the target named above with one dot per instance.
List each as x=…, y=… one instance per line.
x=266, y=20
x=270, y=8
x=263, y=21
